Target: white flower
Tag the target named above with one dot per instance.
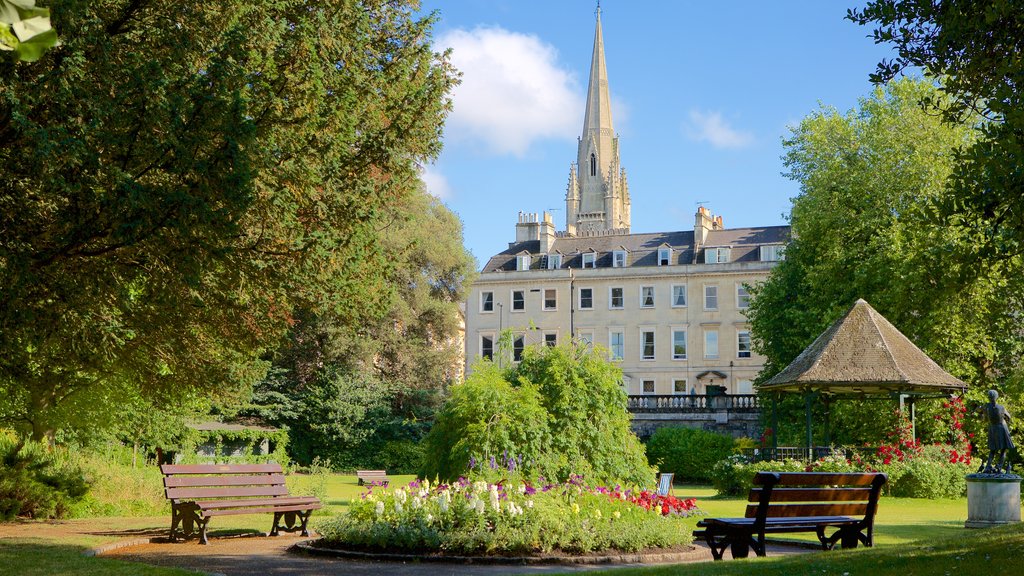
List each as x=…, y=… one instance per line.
x=494, y=500
x=417, y=502
x=442, y=503
x=529, y=503
x=479, y=506
x=398, y=507
x=400, y=496
x=379, y=509
x=479, y=486
x=430, y=518
x=426, y=485
x=522, y=488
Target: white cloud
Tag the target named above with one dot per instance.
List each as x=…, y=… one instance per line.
x=436, y=183
x=513, y=91
x=711, y=128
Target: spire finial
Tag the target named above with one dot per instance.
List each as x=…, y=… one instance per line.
x=598, y=11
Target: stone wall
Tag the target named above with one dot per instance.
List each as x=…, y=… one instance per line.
x=734, y=423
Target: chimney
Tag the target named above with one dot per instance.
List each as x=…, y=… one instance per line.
x=546, y=234
x=718, y=223
x=528, y=227
x=703, y=223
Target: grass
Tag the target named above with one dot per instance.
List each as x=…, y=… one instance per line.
x=988, y=552
x=913, y=536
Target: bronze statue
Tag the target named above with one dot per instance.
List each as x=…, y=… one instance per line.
x=998, y=435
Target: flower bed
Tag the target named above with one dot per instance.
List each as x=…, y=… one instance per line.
x=511, y=518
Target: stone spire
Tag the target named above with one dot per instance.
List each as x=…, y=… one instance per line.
x=600, y=203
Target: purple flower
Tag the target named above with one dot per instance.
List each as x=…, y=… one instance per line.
x=414, y=484
x=530, y=490
x=494, y=465
x=472, y=462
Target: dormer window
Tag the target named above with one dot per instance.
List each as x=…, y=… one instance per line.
x=664, y=256
x=523, y=262
x=772, y=252
x=718, y=255
x=618, y=259
x=590, y=260
x=593, y=164
x=554, y=261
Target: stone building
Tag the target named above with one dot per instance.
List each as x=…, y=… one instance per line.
x=668, y=306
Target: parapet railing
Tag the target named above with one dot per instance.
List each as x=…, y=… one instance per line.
x=647, y=403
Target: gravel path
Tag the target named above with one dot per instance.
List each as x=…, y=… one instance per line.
x=264, y=556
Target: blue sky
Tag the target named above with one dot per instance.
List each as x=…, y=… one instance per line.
x=702, y=96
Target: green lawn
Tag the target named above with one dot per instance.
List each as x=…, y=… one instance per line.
x=913, y=536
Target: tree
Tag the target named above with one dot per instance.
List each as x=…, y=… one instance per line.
x=177, y=180
x=356, y=394
x=862, y=228
x=975, y=47
x=560, y=411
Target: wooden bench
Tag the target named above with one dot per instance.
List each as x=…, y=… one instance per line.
x=199, y=492
x=370, y=476
x=799, y=502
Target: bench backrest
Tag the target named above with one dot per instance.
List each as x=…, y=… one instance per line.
x=371, y=473
x=234, y=481
x=792, y=494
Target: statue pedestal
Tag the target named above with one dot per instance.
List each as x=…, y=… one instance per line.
x=992, y=500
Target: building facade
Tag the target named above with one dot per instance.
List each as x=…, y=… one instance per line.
x=669, y=307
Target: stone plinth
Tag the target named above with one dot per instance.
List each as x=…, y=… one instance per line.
x=992, y=500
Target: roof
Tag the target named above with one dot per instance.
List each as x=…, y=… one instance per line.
x=863, y=353
x=642, y=249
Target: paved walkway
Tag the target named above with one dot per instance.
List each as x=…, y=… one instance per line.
x=264, y=556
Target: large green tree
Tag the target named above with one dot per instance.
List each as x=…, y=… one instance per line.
x=976, y=47
x=178, y=178
x=359, y=394
x=863, y=227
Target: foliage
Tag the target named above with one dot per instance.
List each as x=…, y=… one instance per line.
x=690, y=453
x=559, y=412
x=118, y=486
x=974, y=46
x=862, y=229
x=25, y=30
x=364, y=397
x=226, y=442
x=511, y=518
x=36, y=482
x=176, y=182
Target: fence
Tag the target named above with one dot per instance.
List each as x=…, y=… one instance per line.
x=648, y=403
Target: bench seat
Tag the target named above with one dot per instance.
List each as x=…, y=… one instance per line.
x=199, y=492
x=845, y=502
x=365, y=477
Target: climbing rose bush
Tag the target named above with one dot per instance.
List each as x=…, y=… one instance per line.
x=512, y=517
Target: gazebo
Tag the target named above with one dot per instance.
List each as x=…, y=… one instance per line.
x=862, y=355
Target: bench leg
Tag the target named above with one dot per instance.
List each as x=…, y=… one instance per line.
x=290, y=522
x=185, y=514
x=202, y=522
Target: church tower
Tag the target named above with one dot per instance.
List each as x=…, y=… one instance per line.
x=597, y=198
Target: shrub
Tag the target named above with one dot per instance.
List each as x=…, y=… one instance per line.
x=511, y=518
x=930, y=474
x=560, y=412
x=688, y=452
x=117, y=488
x=37, y=482
x=735, y=474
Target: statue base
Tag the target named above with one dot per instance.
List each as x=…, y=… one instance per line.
x=992, y=500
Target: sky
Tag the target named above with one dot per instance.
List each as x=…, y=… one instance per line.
x=703, y=94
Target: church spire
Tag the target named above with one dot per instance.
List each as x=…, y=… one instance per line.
x=600, y=204
x=597, y=122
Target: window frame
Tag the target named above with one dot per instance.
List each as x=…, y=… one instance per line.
x=684, y=293
x=580, y=298
x=723, y=254
x=522, y=300
x=654, y=386
x=739, y=300
x=664, y=256
x=672, y=343
x=777, y=252
x=685, y=386
x=619, y=258
x=523, y=262
x=750, y=344
x=717, y=342
x=611, y=298
x=554, y=261
x=643, y=303
x=544, y=300
x=644, y=356
x=611, y=344
x=715, y=297
x=518, y=347
x=484, y=301
x=480, y=350
x=592, y=257
x=551, y=339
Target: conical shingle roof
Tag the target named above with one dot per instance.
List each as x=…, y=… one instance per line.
x=863, y=353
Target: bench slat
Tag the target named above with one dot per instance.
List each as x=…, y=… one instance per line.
x=274, y=502
x=819, y=479
x=813, y=494
x=189, y=481
x=793, y=510
x=271, y=468
x=233, y=511
x=190, y=493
